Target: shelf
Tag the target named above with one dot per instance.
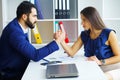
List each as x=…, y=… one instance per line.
x=46, y=31
x=111, y=18
x=44, y=44
x=66, y=19
x=46, y=26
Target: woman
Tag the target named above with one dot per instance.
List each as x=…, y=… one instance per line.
x=100, y=43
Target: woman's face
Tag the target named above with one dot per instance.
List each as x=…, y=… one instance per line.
x=85, y=22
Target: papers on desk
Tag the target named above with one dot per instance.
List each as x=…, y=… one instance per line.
x=65, y=58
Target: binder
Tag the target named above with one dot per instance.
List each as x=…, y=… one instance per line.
x=67, y=9
x=64, y=10
x=37, y=35
x=63, y=29
x=56, y=26
x=60, y=9
x=56, y=9
x=39, y=11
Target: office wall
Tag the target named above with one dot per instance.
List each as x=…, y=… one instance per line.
x=1, y=17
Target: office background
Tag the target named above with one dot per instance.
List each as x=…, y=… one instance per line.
x=108, y=9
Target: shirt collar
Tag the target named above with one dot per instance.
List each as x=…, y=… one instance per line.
x=24, y=30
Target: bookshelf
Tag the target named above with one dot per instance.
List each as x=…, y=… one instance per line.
x=108, y=9
x=46, y=25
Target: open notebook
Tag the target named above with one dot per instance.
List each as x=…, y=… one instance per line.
x=61, y=71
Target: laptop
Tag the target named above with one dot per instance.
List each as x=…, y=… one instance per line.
x=61, y=71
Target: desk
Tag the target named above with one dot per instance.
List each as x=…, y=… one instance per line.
x=88, y=70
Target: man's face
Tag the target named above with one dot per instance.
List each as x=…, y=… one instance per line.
x=31, y=18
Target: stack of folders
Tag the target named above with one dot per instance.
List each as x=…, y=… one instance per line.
x=62, y=9
x=39, y=11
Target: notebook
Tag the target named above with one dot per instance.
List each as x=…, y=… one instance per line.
x=61, y=71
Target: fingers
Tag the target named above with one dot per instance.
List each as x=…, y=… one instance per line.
x=94, y=58
x=89, y=59
x=59, y=36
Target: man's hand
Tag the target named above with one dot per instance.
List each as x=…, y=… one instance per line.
x=59, y=36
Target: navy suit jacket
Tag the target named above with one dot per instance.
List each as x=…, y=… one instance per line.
x=16, y=51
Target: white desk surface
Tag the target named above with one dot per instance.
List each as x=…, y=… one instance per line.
x=88, y=70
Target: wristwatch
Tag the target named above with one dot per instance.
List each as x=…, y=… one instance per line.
x=103, y=61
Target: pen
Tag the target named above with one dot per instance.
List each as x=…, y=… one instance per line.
x=46, y=60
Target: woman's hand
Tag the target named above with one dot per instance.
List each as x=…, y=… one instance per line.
x=59, y=36
x=94, y=58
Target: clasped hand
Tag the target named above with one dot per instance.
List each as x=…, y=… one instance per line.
x=59, y=36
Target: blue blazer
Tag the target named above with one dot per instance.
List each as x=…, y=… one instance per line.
x=16, y=51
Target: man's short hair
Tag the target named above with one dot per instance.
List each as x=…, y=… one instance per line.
x=24, y=8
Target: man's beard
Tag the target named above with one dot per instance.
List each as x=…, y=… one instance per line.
x=29, y=24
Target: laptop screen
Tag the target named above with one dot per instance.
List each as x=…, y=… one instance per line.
x=61, y=71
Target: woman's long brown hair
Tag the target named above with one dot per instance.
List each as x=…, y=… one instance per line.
x=93, y=16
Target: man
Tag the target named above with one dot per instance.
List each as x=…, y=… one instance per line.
x=15, y=49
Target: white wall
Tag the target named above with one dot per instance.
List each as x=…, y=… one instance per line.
x=1, y=17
